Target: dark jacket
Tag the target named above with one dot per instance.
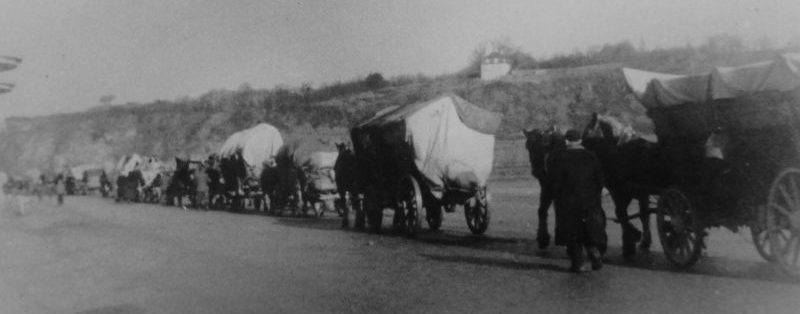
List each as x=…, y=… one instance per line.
x=577, y=183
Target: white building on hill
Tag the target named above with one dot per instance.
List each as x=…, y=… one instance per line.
x=494, y=66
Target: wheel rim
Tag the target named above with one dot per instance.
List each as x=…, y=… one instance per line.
x=761, y=236
x=783, y=220
x=679, y=229
x=476, y=211
x=410, y=202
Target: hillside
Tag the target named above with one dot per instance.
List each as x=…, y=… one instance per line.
x=197, y=126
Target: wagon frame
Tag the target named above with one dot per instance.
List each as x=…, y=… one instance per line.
x=389, y=176
x=752, y=179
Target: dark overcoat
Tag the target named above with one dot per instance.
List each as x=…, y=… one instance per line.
x=577, y=182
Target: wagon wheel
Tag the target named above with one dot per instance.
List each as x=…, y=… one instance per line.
x=476, y=210
x=679, y=228
x=409, y=200
x=434, y=217
x=761, y=238
x=783, y=220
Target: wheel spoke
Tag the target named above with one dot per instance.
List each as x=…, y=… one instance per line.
x=794, y=248
x=793, y=186
x=780, y=209
x=786, y=197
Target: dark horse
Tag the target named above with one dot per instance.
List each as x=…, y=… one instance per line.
x=633, y=170
x=216, y=188
x=541, y=144
x=346, y=168
x=180, y=184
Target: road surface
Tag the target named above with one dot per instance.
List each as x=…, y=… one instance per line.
x=95, y=256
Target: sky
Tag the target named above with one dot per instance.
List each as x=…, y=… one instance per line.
x=75, y=51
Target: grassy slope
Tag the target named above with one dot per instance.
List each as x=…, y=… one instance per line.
x=199, y=125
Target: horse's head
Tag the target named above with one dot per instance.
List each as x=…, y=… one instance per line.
x=540, y=143
x=532, y=137
x=608, y=128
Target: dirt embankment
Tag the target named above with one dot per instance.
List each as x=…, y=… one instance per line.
x=198, y=126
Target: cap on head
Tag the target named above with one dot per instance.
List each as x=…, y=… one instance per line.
x=572, y=136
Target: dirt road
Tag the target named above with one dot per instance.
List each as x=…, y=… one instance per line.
x=95, y=256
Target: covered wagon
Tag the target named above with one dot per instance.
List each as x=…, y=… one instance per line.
x=730, y=140
x=129, y=181
x=243, y=157
x=304, y=175
x=422, y=158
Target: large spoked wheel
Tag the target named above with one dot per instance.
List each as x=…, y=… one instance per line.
x=783, y=220
x=476, y=210
x=433, y=214
x=679, y=228
x=761, y=236
x=409, y=200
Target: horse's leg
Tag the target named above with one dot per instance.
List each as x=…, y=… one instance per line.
x=644, y=216
x=630, y=235
x=345, y=208
x=545, y=200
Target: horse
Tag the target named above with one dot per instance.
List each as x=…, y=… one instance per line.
x=180, y=184
x=216, y=188
x=346, y=177
x=541, y=144
x=632, y=170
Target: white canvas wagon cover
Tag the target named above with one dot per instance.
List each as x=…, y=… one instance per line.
x=665, y=90
x=258, y=144
x=128, y=163
x=451, y=140
x=749, y=97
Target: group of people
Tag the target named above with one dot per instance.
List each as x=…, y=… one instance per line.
x=576, y=180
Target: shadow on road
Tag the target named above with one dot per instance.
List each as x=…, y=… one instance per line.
x=503, y=263
x=708, y=265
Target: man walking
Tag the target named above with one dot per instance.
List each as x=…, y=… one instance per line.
x=577, y=186
x=61, y=188
x=201, y=188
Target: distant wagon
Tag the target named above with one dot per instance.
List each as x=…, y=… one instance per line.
x=304, y=176
x=129, y=181
x=424, y=158
x=243, y=157
x=730, y=141
x=96, y=180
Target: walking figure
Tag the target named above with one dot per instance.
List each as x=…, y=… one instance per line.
x=580, y=221
x=61, y=188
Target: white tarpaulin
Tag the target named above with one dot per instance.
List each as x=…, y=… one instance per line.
x=150, y=167
x=128, y=163
x=665, y=90
x=258, y=145
x=452, y=140
x=77, y=171
x=320, y=160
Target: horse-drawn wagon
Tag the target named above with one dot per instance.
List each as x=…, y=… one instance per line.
x=243, y=158
x=730, y=142
x=303, y=177
x=422, y=158
x=95, y=179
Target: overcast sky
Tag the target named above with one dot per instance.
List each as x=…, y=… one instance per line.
x=76, y=51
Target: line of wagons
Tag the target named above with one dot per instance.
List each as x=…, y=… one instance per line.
x=254, y=170
x=728, y=154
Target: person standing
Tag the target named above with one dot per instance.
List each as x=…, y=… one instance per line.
x=201, y=188
x=577, y=182
x=61, y=188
